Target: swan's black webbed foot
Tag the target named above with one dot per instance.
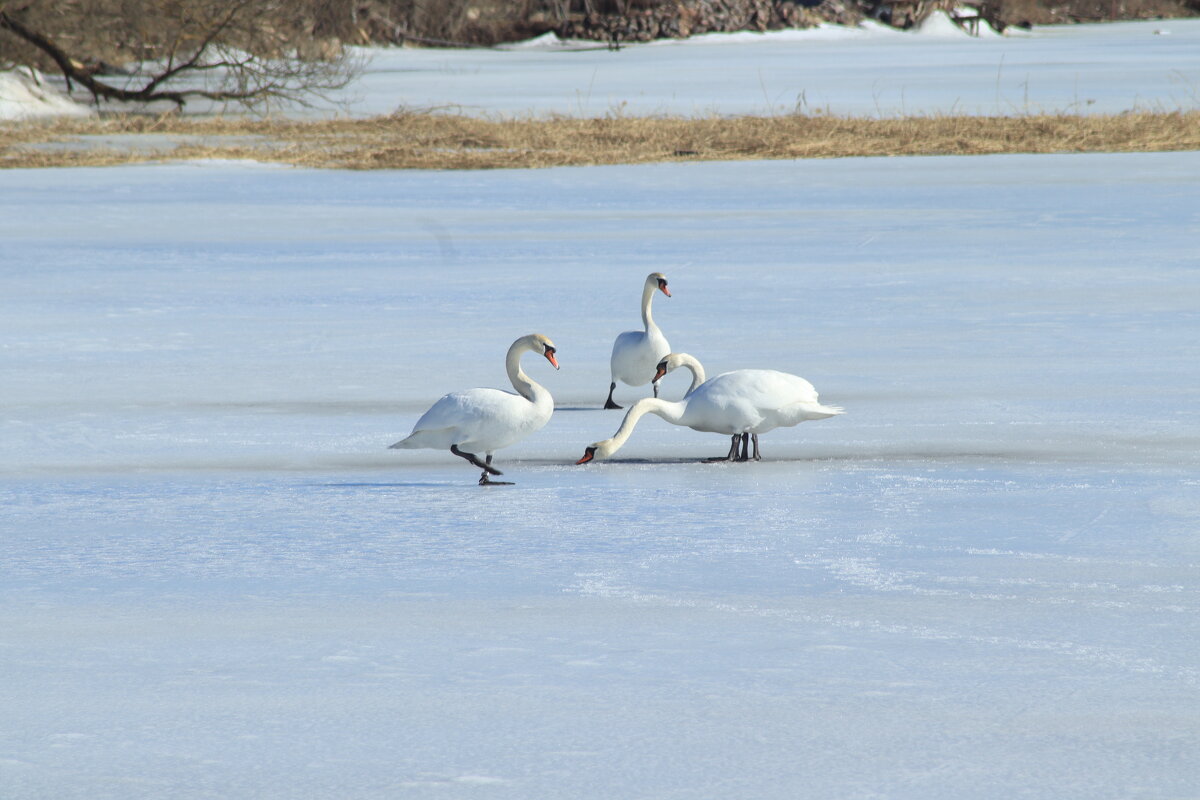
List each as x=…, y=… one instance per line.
x=609, y=402
x=485, y=479
x=474, y=459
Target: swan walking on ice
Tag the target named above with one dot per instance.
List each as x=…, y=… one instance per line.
x=741, y=404
x=485, y=420
x=635, y=353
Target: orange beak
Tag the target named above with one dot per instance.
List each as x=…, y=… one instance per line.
x=658, y=375
x=587, y=456
x=550, y=357
x=663, y=285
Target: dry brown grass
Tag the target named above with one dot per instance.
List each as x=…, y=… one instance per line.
x=442, y=141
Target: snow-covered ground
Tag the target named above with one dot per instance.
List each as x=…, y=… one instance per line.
x=28, y=94
x=982, y=581
x=870, y=70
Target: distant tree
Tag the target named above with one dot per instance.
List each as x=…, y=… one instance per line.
x=247, y=52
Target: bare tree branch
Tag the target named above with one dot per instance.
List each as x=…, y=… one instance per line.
x=245, y=52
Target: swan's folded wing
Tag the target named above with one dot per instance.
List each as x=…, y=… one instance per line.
x=456, y=416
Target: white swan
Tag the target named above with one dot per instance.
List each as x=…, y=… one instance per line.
x=742, y=404
x=484, y=420
x=635, y=353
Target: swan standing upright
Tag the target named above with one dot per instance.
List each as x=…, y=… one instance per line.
x=741, y=404
x=485, y=420
x=635, y=353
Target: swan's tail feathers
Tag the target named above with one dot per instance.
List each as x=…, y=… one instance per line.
x=817, y=410
x=421, y=439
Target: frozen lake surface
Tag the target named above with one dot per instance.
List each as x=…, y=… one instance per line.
x=871, y=71
x=981, y=581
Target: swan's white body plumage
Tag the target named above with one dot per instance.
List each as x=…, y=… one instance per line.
x=486, y=420
x=750, y=401
x=478, y=421
x=635, y=354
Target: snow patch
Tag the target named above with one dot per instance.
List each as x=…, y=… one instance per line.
x=25, y=94
x=939, y=25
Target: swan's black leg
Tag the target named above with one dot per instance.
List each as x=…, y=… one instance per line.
x=655, y=385
x=484, y=480
x=754, y=438
x=745, y=454
x=609, y=402
x=733, y=448
x=475, y=460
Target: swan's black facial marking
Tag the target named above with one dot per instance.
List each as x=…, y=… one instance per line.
x=549, y=354
x=588, y=454
x=662, y=284
x=660, y=371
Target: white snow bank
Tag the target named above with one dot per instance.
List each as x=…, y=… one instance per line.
x=551, y=42
x=24, y=94
x=823, y=32
x=940, y=25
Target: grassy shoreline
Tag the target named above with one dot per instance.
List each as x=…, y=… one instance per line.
x=443, y=141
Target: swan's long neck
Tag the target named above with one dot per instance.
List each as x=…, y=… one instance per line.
x=647, y=296
x=528, y=388
x=698, y=376
x=671, y=412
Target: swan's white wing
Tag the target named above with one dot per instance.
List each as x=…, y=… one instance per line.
x=766, y=388
x=477, y=420
x=721, y=405
x=751, y=400
x=785, y=400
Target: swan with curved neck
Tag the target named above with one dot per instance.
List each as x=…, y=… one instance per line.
x=485, y=420
x=635, y=353
x=741, y=404
x=674, y=361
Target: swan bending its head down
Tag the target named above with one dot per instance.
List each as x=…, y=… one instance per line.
x=635, y=353
x=741, y=404
x=485, y=420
